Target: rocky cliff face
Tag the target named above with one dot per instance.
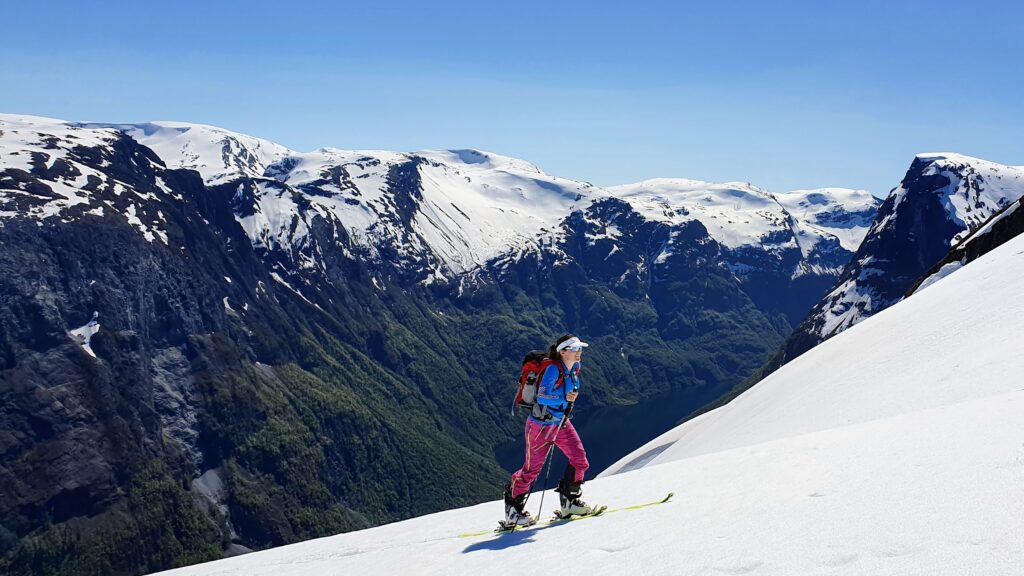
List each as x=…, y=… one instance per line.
x=942, y=199
x=215, y=344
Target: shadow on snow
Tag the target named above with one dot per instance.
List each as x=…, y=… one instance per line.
x=510, y=539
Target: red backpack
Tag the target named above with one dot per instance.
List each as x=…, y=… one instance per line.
x=534, y=365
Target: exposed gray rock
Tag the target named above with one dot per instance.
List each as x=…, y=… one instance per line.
x=174, y=401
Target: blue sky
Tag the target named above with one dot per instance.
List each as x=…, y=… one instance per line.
x=781, y=94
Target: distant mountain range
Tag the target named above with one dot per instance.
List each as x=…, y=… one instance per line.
x=477, y=209
x=270, y=345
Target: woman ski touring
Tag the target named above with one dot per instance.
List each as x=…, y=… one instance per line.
x=547, y=425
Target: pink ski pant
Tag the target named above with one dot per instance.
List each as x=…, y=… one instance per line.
x=538, y=439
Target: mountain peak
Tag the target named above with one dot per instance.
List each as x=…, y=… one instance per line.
x=969, y=189
x=482, y=159
x=217, y=154
x=942, y=198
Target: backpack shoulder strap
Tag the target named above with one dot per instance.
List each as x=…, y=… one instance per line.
x=561, y=373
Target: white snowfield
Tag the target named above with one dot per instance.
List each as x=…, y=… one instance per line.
x=895, y=448
x=218, y=155
x=739, y=214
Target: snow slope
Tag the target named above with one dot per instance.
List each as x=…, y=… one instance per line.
x=893, y=448
x=218, y=155
x=27, y=142
x=935, y=349
x=470, y=206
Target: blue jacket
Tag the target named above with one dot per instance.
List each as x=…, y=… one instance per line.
x=551, y=403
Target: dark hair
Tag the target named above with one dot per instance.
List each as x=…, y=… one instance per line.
x=552, y=351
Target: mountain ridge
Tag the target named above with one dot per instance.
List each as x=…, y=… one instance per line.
x=456, y=226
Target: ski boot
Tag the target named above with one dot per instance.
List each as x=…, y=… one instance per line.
x=570, y=496
x=515, y=511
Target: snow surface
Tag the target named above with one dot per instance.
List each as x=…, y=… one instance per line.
x=25, y=140
x=946, y=270
x=217, y=154
x=83, y=334
x=818, y=210
x=893, y=448
x=740, y=214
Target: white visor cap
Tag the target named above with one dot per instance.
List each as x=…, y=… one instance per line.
x=573, y=342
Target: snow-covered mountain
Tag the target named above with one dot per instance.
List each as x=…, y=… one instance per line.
x=942, y=199
x=218, y=155
x=893, y=448
x=739, y=214
x=54, y=169
x=448, y=211
x=506, y=197
x=462, y=208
